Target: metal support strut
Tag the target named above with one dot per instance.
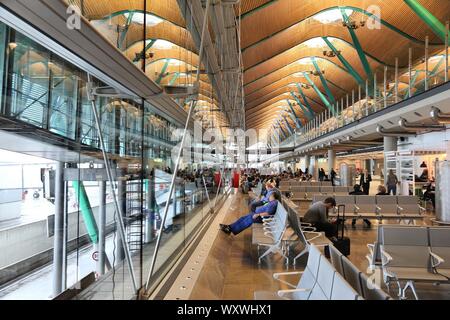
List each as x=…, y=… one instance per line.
x=180, y=151
x=118, y=211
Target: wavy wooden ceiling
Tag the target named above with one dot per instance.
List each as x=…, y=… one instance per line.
x=273, y=35
x=106, y=15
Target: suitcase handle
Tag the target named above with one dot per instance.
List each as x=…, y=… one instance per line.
x=341, y=221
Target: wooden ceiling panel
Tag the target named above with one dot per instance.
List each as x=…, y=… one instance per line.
x=99, y=9
x=247, y=6
x=267, y=21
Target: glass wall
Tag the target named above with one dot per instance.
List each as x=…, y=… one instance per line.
x=3, y=44
x=105, y=231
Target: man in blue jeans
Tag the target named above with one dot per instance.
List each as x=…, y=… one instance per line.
x=246, y=221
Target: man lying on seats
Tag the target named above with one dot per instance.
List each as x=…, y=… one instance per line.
x=246, y=221
x=317, y=215
x=265, y=194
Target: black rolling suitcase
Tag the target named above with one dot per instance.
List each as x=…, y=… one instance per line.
x=342, y=243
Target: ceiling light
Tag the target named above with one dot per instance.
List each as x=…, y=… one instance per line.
x=139, y=17
x=292, y=85
x=12, y=45
x=331, y=16
x=163, y=44
x=298, y=75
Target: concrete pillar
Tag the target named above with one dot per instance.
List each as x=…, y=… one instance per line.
x=313, y=167
x=58, y=238
x=368, y=165
x=331, y=160
x=389, y=144
x=102, y=228
x=307, y=162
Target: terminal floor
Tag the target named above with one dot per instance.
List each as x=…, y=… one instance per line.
x=232, y=271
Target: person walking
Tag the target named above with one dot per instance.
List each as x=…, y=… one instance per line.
x=391, y=183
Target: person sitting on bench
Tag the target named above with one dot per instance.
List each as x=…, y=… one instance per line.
x=381, y=191
x=317, y=215
x=270, y=187
x=253, y=217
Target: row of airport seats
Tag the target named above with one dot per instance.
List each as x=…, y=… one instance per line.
x=321, y=280
x=283, y=230
x=270, y=234
x=307, y=193
x=357, y=279
x=300, y=232
x=255, y=192
x=287, y=185
x=410, y=254
x=294, y=182
x=378, y=207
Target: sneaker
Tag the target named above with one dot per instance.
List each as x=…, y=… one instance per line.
x=368, y=223
x=225, y=228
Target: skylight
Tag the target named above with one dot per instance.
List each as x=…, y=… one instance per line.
x=331, y=16
x=139, y=17
x=304, y=61
x=435, y=58
x=315, y=43
x=298, y=75
x=175, y=62
x=161, y=44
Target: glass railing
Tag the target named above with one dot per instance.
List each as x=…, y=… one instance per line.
x=393, y=86
x=88, y=230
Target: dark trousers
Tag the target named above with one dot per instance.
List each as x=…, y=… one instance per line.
x=243, y=223
x=366, y=188
x=393, y=188
x=330, y=229
x=431, y=196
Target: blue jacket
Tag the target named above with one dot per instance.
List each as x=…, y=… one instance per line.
x=267, y=195
x=270, y=207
